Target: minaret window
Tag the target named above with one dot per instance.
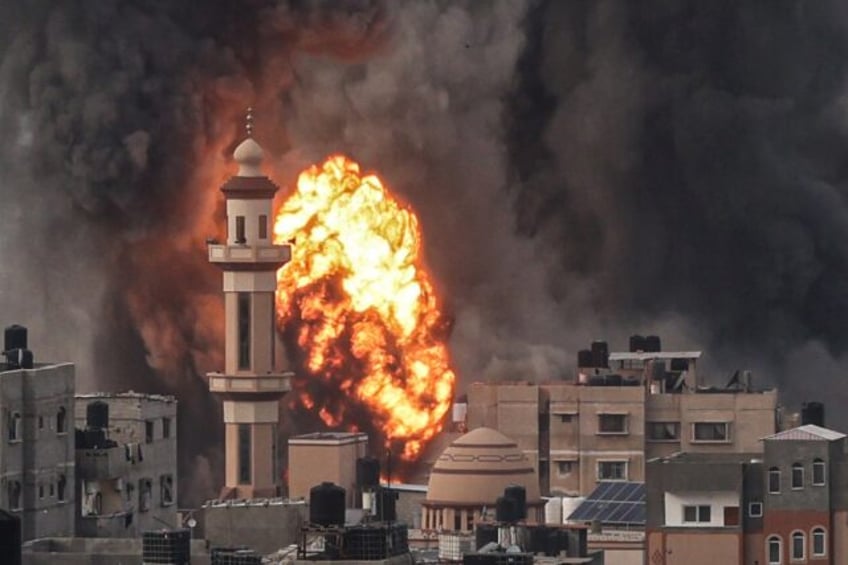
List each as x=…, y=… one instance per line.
x=244, y=453
x=263, y=226
x=243, y=330
x=240, y=230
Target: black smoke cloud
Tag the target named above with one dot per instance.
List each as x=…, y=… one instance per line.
x=581, y=169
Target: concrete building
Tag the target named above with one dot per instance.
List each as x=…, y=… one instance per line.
x=628, y=407
x=326, y=457
x=251, y=383
x=265, y=525
x=37, y=447
x=788, y=504
x=126, y=464
x=470, y=476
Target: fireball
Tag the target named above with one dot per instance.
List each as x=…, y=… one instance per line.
x=363, y=309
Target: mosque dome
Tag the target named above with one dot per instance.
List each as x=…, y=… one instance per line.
x=476, y=468
x=249, y=156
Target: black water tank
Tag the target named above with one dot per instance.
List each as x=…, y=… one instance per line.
x=812, y=413
x=600, y=354
x=637, y=343
x=615, y=380
x=10, y=538
x=367, y=472
x=14, y=337
x=19, y=359
x=584, y=358
x=519, y=495
x=97, y=415
x=166, y=546
x=484, y=534
x=327, y=505
x=653, y=344
x=505, y=510
x=387, y=505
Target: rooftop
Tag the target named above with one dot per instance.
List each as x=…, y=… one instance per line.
x=711, y=457
x=649, y=355
x=128, y=395
x=809, y=432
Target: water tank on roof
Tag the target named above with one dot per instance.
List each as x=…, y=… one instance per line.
x=97, y=415
x=10, y=538
x=614, y=380
x=327, y=505
x=485, y=534
x=519, y=495
x=637, y=343
x=505, y=511
x=584, y=358
x=812, y=413
x=387, y=505
x=653, y=344
x=166, y=546
x=14, y=337
x=600, y=354
x=19, y=358
x=367, y=472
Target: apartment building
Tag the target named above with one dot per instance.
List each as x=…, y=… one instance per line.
x=787, y=504
x=37, y=446
x=620, y=410
x=126, y=463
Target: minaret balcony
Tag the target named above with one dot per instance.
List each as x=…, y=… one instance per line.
x=249, y=256
x=272, y=384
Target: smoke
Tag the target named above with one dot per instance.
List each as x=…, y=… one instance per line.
x=581, y=170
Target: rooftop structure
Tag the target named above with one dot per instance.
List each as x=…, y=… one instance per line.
x=325, y=457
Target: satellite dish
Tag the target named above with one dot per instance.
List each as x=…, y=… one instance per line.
x=191, y=523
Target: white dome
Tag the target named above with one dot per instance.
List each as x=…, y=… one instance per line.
x=249, y=157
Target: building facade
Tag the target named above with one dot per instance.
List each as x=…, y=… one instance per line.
x=326, y=457
x=37, y=447
x=785, y=505
x=605, y=423
x=126, y=461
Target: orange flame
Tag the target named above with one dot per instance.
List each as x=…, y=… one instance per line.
x=362, y=306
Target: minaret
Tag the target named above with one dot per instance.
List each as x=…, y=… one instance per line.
x=250, y=385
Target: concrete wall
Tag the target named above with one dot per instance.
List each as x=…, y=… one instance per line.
x=41, y=456
x=263, y=528
x=315, y=458
x=84, y=551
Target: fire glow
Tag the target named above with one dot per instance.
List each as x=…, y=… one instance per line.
x=362, y=307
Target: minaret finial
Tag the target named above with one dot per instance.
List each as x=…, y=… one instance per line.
x=249, y=121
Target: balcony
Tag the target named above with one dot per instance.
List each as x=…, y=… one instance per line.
x=279, y=383
x=244, y=255
x=100, y=464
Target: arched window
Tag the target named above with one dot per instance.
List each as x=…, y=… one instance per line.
x=797, y=476
x=799, y=543
x=774, y=550
x=819, y=536
x=61, y=420
x=774, y=480
x=818, y=473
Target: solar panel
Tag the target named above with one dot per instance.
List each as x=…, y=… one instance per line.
x=614, y=503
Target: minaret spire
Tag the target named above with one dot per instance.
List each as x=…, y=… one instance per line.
x=248, y=121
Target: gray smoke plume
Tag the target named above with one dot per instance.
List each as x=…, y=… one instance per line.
x=581, y=169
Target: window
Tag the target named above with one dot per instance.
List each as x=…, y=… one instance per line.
x=13, y=492
x=243, y=330
x=263, y=226
x=819, y=542
x=148, y=431
x=145, y=488
x=711, y=431
x=798, y=544
x=61, y=421
x=818, y=473
x=774, y=480
x=15, y=426
x=61, y=485
x=565, y=418
x=130, y=488
x=40, y=422
x=240, y=230
x=564, y=467
x=166, y=428
x=731, y=515
x=755, y=509
x=697, y=514
x=663, y=431
x=52, y=489
x=166, y=490
x=244, y=449
x=612, y=423
x=774, y=550
x=797, y=476
x=612, y=470
x=40, y=491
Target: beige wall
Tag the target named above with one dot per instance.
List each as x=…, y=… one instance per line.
x=312, y=462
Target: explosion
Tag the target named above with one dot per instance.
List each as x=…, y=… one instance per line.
x=362, y=308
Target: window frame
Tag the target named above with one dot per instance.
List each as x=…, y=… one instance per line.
x=774, y=538
x=263, y=226
x=797, y=472
x=728, y=437
x=819, y=464
x=570, y=463
x=650, y=436
x=625, y=424
x=166, y=427
x=610, y=462
x=61, y=421
x=793, y=537
x=776, y=472
x=61, y=488
x=751, y=506
x=699, y=510
x=818, y=532
x=241, y=230
x=244, y=305
x=149, y=431
x=15, y=423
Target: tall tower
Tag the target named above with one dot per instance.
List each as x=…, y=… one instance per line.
x=250, y=385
